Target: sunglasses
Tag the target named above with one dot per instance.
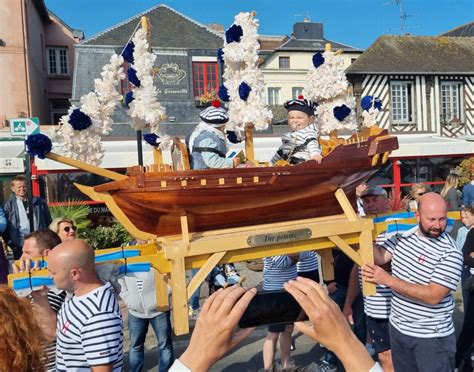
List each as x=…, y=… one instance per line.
x=420, y=194
x=69, y=228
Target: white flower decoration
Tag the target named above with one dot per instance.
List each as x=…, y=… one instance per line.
x=99, y=105
x=145, y=110
x=328, y=86
x=241, y=65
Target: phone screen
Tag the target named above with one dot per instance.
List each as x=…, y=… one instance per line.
x=272, y=307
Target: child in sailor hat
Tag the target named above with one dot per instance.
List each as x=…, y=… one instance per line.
x=301, y=144
x=207, y=144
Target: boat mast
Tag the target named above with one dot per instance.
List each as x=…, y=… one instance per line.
x=249, y=150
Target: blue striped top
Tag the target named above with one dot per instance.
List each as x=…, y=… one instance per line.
x=421, y=260
x=277, y=270
x=308, y=262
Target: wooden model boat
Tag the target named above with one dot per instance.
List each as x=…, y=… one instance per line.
x=222, y=198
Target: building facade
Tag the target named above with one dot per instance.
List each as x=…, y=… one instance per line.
x=286, y=68
x=426, y=84
x=37, y=58
x=186, y=65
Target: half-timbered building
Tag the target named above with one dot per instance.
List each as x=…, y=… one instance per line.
x=426, y=84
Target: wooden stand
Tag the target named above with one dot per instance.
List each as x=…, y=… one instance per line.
x=171, y=256
x=208, y=249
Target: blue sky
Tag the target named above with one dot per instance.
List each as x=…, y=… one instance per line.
x=353, y=22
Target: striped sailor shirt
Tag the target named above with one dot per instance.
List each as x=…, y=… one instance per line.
x=90, y=332
x=307, y=138
x=55, y=299
x=421, y=260
x=308, y=261
x=378, y=305
x=277, y=270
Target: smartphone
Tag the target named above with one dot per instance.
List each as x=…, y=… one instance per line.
x=272, y=307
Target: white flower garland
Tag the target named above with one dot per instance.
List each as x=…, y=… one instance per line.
x=145, y=108
x=328, y=86
x=99, y=105
x=325, y=115
x=241, y=65
x=370, y=117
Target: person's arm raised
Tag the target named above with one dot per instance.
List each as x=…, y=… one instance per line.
x=328, y=325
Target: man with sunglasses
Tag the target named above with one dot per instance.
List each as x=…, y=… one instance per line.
x=46, y=302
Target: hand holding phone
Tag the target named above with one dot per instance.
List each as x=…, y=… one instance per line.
x=328, y=325
x=214, y=333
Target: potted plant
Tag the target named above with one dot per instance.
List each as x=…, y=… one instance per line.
x=205, y=98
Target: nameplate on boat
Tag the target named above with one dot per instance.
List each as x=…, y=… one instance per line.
x=279, y=237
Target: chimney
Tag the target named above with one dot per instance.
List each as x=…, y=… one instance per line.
x=308, y=30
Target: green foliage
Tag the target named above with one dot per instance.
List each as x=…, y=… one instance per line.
x=73, y=209
x=103, y=237
x=464, y=170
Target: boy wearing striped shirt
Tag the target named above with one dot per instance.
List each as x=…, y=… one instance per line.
x=426, y=267
x=301, y=144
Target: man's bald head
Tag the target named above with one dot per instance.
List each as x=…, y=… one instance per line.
x=432, y=215
x=76, y=254
x=72, y=263
x=432, y=201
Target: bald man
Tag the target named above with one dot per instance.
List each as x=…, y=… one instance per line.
x=426, y=268
x=89, y=327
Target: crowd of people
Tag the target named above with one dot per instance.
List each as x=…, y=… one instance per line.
x=77, y=324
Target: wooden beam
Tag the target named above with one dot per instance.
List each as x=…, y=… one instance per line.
x=249, y=150
x=157, y=155
x=179, y=297
x=346, y=205
x=327, y=261
x=116, y=211
x=161, y=289
x=367, y=253
x=86, y=167
x=347, y=249
x=203, y=272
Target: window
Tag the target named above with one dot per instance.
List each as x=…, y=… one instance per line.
x=402, y=102
x=284, y=62
x=296, y=91
x=57, y=61
x=450, y=101
x=273, y=96
x=205, y=78
x=58, y=108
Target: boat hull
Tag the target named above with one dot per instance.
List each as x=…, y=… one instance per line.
x=223, y=198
